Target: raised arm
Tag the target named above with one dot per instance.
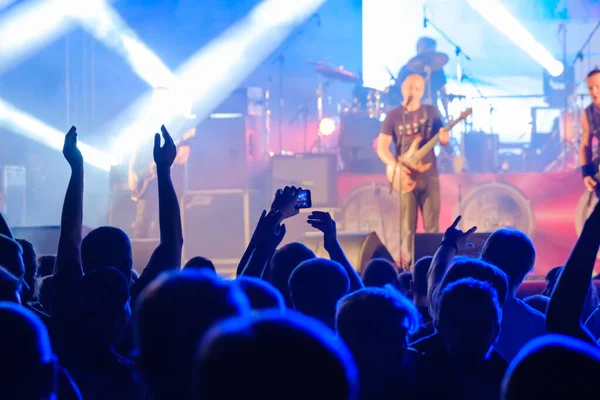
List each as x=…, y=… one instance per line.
x=443, y=259
x=168, y=253
x=67, y=266
x=268, y=235
x=323, y=222
x=567, y=301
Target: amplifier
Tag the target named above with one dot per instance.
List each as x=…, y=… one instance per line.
x=357, y=136
x=218, y=224
x=316, y=172
x=12, y=194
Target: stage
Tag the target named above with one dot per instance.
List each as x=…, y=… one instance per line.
x=549, y=207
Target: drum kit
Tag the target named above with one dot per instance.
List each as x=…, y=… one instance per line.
x=372, y=102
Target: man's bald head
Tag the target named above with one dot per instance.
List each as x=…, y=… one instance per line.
x=413, y=86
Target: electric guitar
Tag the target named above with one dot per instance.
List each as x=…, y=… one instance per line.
x=405, y=179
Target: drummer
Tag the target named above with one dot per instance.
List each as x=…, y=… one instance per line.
x=428, y=61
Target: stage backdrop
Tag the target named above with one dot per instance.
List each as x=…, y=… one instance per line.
x=549, y=207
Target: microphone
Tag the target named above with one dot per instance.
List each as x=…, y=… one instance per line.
x=424, y=17
x=410, y=98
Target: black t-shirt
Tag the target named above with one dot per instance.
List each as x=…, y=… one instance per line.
x=438, y=80
x=405, y=127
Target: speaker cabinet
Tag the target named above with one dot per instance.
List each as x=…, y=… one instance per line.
x=316, y=172
x=360, y=248
x=426, y=244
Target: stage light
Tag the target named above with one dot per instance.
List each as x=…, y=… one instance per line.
x=327, y=127
x=210, y=75
x=28, y=126
x=505, y=22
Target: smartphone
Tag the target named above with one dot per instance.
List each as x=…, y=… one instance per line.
x=304, y=200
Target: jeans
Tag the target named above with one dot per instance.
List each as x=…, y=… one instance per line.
x=425, y=197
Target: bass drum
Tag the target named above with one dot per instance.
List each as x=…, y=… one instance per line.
x=494, y=205
x=370, y=207
x=585, y=206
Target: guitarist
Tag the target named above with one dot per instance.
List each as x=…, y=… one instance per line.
x=144, y=186
x=410, y=122
x=590, y=124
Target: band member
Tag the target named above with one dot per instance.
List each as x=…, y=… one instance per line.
x=144, y=186
x=590, y=124
x=437, y=77
x=402, y=126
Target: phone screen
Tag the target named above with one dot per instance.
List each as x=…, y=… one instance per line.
x=304, y=200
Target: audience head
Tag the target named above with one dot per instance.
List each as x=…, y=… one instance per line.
x=468, y=320
x=31, y=266
x=45, y=265
x=272, y=357
x=419, y=279
x=538, y=302
x=10, y=287
x=261, y=295
x=200, y=263
x=45, y=293
x=404, y=280
x=27, y=368
x=375, y=324
x=11, y=257
x=103, y=310
x=172, y=314
x=283, y=262
x=465, y=267
x=316, y=286
x=553, y=367
x=107, y=246
x=380, y=272
x=511, y=251
x=551, y=279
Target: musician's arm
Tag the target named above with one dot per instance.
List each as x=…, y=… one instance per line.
x=585, y=148
x=383, y=149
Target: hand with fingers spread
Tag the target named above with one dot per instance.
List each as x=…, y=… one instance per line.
x=456, y=237
x=164, y=156
x=285, y=201
x=70, y=150
x=322, y=221
x=269, y=233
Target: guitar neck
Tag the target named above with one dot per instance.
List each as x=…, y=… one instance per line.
x=427, y=147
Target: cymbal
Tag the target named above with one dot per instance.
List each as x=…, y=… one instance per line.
x=433, y=60
x=331, y=72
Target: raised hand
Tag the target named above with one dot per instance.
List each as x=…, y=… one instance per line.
x=164, y=156
x=322, y=221
x=70, y=150
x=269, y=233
x=285, y=201
x=456, y=237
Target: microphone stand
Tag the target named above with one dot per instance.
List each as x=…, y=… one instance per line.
x=280, y=60
x=457, y=49
x=481, y=95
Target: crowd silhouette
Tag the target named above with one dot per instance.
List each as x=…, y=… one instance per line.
x=80, y=324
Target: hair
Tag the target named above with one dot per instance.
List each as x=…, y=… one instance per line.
x=465, y=306
x=465, y=267
x=107, y=246
x=511, y=251
x=46, y=265
x=284, y=262
x=201, y=263
x=376, y=318
x=420, y=271
x=11, y=256
x=45, y=293
x=31, y=267
x=26, y=359
x=172, y=314
x=10, y=287
x=538, y=302
x=380, y=272
x=593, y=72
x=551, y=279
x=274, y=356
x=404, y=280
x=426, y=43
x=316, y=286
x=262, y=295
x=554, y=367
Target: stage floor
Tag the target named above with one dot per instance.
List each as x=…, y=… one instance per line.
x=549, y=207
